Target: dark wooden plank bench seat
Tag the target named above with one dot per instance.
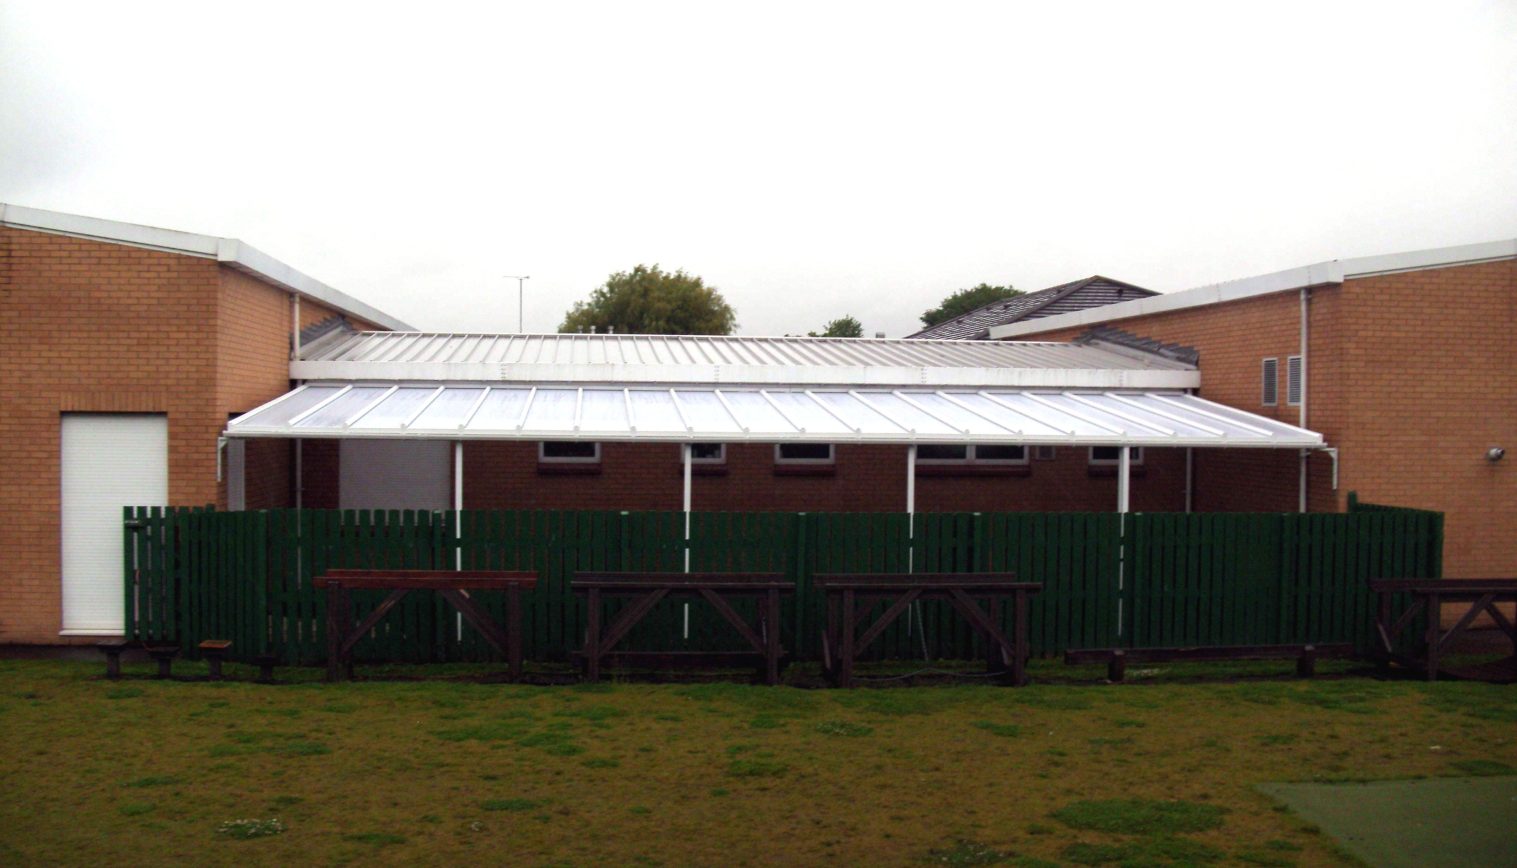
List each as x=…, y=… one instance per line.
x=112, y=649
x=1429, y=596
x=851, y=596
x=451, y=585
x=1116, y=659
x=647, y=589
x=214, y=651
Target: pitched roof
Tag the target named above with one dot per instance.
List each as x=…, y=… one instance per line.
x=1066, y=297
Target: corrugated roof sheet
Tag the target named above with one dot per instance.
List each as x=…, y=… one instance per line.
x=480, y=411
x=1091, y=292
x=418, y=356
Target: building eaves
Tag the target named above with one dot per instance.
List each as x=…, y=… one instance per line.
x=228, y=251
x=1319, y=274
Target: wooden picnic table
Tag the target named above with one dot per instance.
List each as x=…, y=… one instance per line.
x=451, y=585
x=1430, y=596
x=647, y=589
x=851, y=596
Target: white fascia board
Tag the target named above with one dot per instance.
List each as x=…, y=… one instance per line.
x=96, y=229
x=226, y=250
x=1320, y=274
x=1308, y=440
x=754, y=375
x=250, y=260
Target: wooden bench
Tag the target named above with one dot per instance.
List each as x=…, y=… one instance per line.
x=451, y=585
x=112, y=649
x=1116, y=659
x=165, y=655
x=214, y=651
x=851, y=596
x=1428, y=597
x=266, y=664
x=647, y=589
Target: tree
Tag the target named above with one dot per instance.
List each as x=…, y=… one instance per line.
x=966, y=300
x=842, y=327
x=650, y=301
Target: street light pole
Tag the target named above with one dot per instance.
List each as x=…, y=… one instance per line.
x=520, y=279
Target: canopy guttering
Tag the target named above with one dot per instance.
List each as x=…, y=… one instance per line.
x=783, y=414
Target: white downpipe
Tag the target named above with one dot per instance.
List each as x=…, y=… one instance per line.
x=295, y=326
x=1302, y=455
x=458, y=519
x=1124, y=479
x=911, y=510
x=686, y=451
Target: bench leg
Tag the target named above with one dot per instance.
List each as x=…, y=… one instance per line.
x=1116, y=669
x=213, y=661
x=1306, y=664
x=165, y=665
x=266, y=671
x=592, y=636
x=113, y=665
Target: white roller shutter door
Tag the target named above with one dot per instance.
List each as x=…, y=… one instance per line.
x=109, y=461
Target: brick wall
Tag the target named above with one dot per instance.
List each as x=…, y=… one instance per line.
x=1412, y=376
x=638, y=476
x=90, y=326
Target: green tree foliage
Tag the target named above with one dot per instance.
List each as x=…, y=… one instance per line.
x=842, y=327
x=966, y=300
x=650, y=301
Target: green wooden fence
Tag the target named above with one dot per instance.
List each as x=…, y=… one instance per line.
x=1109, y=580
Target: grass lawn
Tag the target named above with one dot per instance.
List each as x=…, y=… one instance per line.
x=440, y=771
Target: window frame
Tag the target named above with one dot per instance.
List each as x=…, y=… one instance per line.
x=1135, y=458
x=721, y=457
x=971, y=457
x=830, y=460
x=544, y=458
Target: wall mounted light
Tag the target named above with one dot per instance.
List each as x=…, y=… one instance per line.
x=1494, y=454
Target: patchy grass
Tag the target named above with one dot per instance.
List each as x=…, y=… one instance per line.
x=440, y=771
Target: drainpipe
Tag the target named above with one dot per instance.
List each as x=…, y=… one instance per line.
x=687, y=452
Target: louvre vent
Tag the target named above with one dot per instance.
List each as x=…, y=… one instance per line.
x=1293, y=385
x=1271, y=391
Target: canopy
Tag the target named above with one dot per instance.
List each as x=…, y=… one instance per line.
x=480, y=411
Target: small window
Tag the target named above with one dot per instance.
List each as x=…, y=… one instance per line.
x=1293, y=384
x=803, y=453
x=1045, y=453
x=973, y=453
x=708, y=453
x=1113, y=455
x=568, y=451
x=1271, y=391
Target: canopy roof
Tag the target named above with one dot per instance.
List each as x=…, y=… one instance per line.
x=699, y=413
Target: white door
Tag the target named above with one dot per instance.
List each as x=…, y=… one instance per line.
x=109, y=461
x=394, y=474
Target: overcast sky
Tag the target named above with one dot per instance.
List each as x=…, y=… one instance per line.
x=809, y=159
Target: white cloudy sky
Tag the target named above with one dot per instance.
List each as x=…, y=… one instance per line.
x=809, y=159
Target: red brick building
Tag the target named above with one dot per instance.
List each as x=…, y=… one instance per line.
x=126, y=350
x=1407, y=364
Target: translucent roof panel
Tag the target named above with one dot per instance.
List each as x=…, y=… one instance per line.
x=343, y=407
x=720, y=414
x=448, y=410
x=396, y=409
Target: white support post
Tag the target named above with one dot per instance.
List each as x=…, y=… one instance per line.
x=1124, y=479
x=686, y=454
x=458, y=519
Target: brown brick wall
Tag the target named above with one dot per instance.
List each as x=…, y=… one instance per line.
x=90, y=326
x=1412, y=376
x=865, y=479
